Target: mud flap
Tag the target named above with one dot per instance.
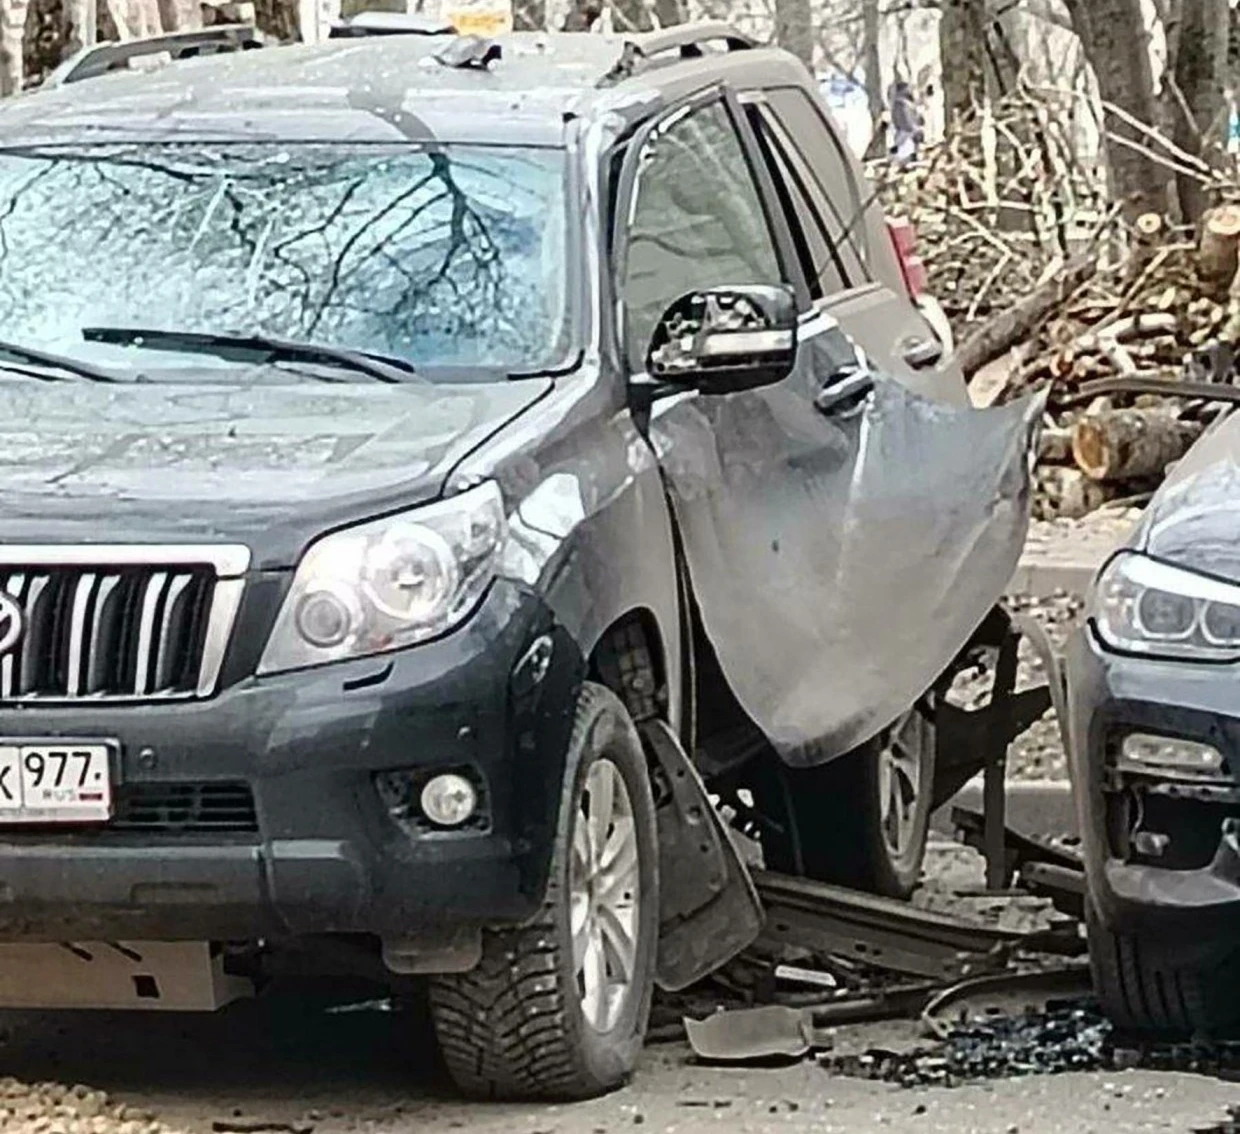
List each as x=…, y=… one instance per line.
x=708, y=907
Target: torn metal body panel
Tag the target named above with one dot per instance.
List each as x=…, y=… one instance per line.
x=842, y=559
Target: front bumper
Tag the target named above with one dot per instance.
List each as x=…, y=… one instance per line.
x=326, y=854
x=1198, y=887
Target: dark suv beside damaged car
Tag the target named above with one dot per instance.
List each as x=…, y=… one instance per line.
x=1155, y=750
x=430, y=467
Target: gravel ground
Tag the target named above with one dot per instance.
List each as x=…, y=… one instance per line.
x=277, y=1069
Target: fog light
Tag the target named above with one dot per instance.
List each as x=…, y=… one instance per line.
x=449, y=800
x=1170, y=753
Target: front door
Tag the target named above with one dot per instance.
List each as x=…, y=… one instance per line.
x=844, y=536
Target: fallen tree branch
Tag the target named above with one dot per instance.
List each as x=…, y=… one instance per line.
x=998, y=335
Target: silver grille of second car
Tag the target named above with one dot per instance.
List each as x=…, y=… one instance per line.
x=131, y=622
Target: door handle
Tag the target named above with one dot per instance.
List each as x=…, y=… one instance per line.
x=844, y=392
x=921, y=354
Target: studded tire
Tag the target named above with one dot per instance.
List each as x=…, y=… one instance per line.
x=514, y=1027
x=1164, y=989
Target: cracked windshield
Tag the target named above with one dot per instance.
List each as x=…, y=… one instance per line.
x=449, y=261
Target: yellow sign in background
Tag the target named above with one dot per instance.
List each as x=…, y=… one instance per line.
x=479, y=17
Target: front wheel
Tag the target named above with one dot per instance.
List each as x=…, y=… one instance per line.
x=557, y=1009
x=1165, y=988
x=861, y=820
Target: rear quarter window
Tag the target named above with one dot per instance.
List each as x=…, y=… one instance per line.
x=843, y=201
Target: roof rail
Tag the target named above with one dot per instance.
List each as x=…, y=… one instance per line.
x=643, y=48
x=689, y=38
x=91, y=62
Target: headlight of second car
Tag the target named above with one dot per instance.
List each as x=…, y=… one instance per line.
x=1144, y=606
x=389, y=583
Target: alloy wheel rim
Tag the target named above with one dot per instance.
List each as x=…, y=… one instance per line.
x=604, y=892
x=900, y=786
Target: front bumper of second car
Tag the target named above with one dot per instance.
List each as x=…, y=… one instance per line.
x=1162, y=847
x=320, y=831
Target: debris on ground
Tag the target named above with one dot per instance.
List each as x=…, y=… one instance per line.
x=68, y=1109
x=742, y=1035
x=1065, y=1037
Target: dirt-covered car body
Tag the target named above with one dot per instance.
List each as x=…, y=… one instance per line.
x=1154, y=741
x=810, y=551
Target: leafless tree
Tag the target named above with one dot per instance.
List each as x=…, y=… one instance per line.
x=1195, y=87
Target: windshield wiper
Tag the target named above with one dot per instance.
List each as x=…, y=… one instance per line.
x=32, y=356
x=266, y=346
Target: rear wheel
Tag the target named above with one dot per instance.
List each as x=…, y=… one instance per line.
x=1163, y=988
x=557, y=1009
x=861, y=820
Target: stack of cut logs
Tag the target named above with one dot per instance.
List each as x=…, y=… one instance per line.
x=1032, y=267
x=1153, y=315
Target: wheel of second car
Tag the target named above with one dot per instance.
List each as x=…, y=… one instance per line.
x=862, y=819
x=1165, y=987
x=557, y=1009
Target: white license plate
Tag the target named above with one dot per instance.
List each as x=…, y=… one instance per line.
x=57, y=782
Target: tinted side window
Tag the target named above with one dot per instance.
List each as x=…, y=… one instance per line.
x=697, y=221
x=825, y=156
x=820, y=262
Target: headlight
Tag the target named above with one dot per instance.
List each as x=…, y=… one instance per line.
x=389, y=583
x=1146, y=607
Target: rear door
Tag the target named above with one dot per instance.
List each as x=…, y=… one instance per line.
x=854, y=276
x=840, y=551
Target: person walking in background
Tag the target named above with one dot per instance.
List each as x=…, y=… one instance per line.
x=907, y=124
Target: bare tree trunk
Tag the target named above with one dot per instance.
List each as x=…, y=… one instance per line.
x=631, y=15
x=1002, y=43
x=12, y=38
x=873, y=64
x=669, y=12
x=77, y=14
x=180, y=15
x=794, y=29
x=1199, y=78
x=529, y=15
x=872, y=25
x=1113, y=35
x=962, y=45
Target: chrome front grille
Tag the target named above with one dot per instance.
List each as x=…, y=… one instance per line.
x=128, y=622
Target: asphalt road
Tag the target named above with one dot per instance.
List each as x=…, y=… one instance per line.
x=367, y=1071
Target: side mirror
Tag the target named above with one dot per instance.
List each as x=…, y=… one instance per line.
x=724, y=339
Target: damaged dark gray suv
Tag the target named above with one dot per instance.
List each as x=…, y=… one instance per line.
x=435, y=475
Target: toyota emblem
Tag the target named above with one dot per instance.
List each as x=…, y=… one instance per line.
x=12, y=622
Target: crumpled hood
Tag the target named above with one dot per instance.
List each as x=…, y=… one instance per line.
x=270, y=465
x=1194, y=519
